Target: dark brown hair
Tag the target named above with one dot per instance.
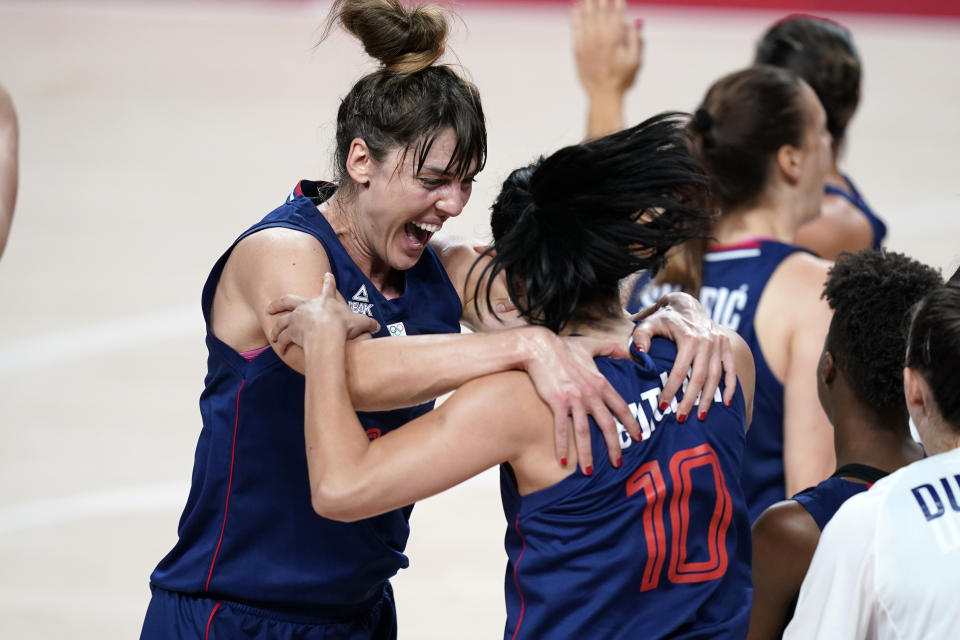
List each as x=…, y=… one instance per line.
x=409, y=101
x=746, y=117
x=933, y=348
x=822, y=53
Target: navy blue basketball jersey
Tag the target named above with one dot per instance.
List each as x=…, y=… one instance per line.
x=853, y=197
x=823, y=500
x=248, y=532
x=734, y=278
x=657, y=548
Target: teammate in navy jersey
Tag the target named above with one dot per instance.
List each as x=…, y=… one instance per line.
x=761, y=134
x=253, y=559
x=887, y=565
x=860, y=381
x=654, y=545
x=822, y=52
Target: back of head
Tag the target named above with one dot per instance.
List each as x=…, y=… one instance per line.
x=822, y=53
x=409, y=101
x=871, y=294
x=745, y=118
x=933, y=348
x=570, y=226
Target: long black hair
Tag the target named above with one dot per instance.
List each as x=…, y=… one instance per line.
x=569, y=227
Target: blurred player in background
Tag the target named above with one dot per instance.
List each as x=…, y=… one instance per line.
x=822, y=52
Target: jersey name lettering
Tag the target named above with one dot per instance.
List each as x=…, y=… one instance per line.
x=933, y=501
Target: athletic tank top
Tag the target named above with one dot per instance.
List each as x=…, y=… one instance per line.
x=734, y=278
x=853, y=197
x=248, y=532
x=823, y=500
x=659, y=547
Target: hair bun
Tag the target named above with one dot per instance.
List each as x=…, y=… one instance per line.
x=703, y=120
x=404, y=40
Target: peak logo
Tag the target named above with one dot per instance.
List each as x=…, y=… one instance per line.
x=360, y=303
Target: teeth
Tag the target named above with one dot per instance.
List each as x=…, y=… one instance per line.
x=429, y=228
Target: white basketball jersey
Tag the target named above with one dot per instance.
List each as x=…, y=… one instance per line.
x=888, y=563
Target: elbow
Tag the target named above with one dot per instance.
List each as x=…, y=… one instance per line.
x=336, y=501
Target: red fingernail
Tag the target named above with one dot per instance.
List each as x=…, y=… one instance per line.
x=663, y=406
x=588, y=470
x=702, y=415
x=619, y=463
x=563, y=462
x=729, y=402
x=681, y=418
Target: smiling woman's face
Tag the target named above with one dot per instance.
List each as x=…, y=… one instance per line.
x=401, y=208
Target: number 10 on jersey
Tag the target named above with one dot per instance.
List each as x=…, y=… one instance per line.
x=649, y=479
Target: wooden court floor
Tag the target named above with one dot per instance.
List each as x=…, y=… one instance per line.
x=154, y=132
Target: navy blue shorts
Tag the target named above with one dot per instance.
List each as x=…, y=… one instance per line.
x=176, y=616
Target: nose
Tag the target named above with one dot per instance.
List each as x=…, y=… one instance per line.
x=453, y=199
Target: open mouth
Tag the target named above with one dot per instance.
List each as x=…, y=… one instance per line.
x=419, y=233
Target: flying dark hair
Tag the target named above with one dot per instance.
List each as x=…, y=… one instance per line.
x=933, y=348
x=409, y=101
x=569, y=227
x=745, y=118
x=871, y=294
x=822, y=53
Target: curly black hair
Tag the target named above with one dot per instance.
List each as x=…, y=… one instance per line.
x=871, y=294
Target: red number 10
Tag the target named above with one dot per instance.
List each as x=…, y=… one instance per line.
x=649, y=479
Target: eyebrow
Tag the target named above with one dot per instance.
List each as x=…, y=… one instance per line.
x=446, y=172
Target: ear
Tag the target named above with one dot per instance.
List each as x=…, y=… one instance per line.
x=359, y=162
x=789, y=159
x=915, y=390
x=828, y=368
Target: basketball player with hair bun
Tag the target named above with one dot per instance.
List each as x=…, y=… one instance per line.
x=253, y=560
x=656, y=544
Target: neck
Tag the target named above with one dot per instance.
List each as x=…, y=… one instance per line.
x=614, y=326
x=939, y=437
x=763, y=220
x=343, y=218
x=834, y=177
x=864, y=436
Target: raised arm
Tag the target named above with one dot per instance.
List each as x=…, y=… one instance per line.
x=608, y=52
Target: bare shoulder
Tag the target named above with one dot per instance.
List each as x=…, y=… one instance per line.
x=457, y=255
x=264, y=266
x=785, y=527
x=841, y=226
x=802, y=269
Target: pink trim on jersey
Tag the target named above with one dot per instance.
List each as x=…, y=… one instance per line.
x=226, y=506
x=516, y=579
x=752, y=243
x=206, y=634
x=250, y=355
